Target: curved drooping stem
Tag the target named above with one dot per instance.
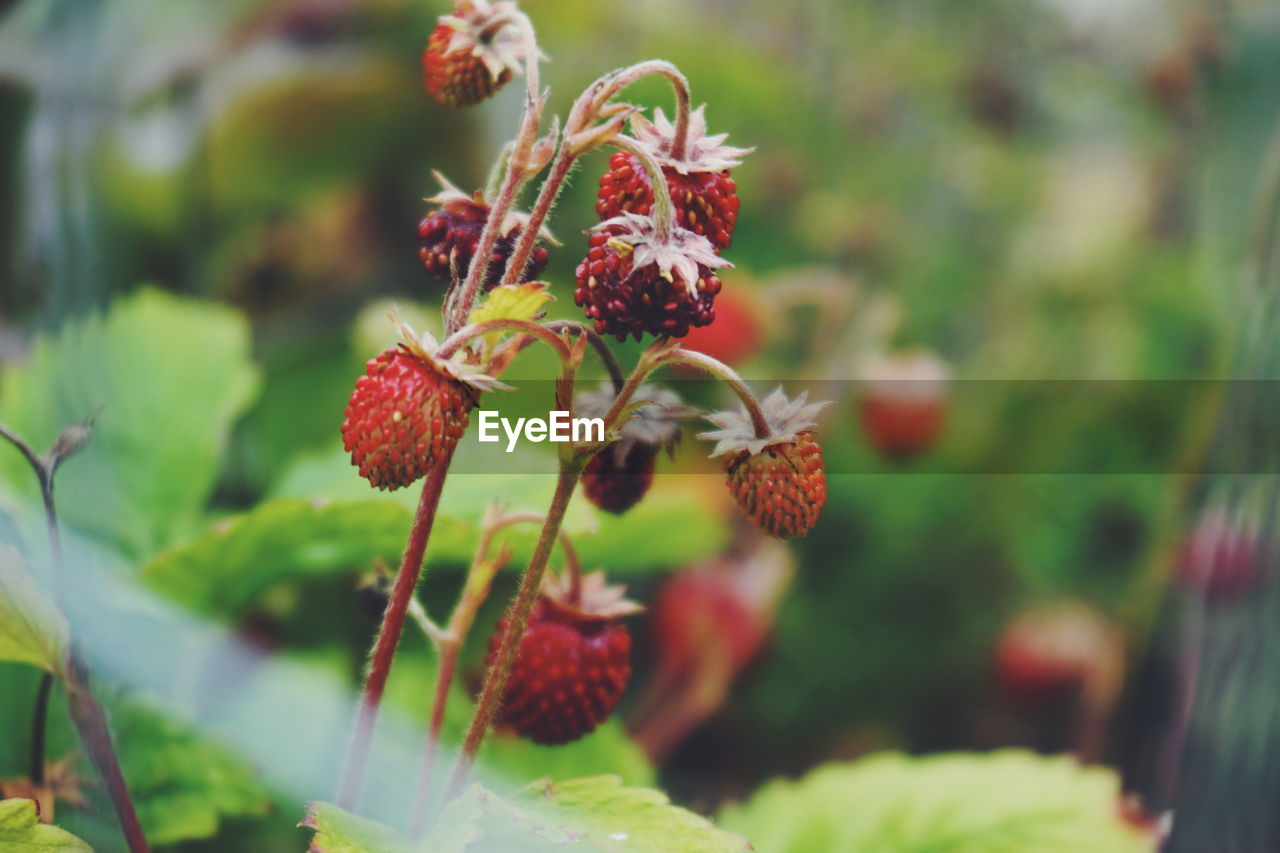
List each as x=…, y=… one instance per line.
x=592, y=106
x=478, y=330
x=664, y=215
x=663, y=351
x=728, y=376
x=389, y=634
x=517, y=619
x=607, y=358
x=679, y=83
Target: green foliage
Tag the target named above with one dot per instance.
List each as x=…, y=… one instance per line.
x=1003, y=801
x=184, y=785
x=338, y=831
x=595, y=813
x=289, y=539
x=22, y=832
x=675, y=527
x=31, y=628
x=170, y=376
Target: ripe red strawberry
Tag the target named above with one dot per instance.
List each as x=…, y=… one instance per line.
x=704, y=195
x=619, y=475
x=736, y=333
x=407, y=413
x=633, y=281
x=456, y=228
x=1054, y=652
x=573, y=663
x=473, y=53
x=616, y=479
x=778, y=479
x=903, y=403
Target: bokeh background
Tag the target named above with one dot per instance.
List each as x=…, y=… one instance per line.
x=206, y=210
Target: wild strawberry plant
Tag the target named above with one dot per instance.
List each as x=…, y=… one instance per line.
x=559, y=661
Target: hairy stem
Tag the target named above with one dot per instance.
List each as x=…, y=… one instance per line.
x=728, y=376
x=513, y=181
x=384, y=649
x=517, y=619
x=547, y=195
x=478, y=330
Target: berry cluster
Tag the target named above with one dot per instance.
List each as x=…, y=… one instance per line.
x=625, y=292
x=560, y=660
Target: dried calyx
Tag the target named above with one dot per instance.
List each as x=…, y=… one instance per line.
x=701, y=153
x=786, y=419
x=654, y=422
x=490, y=32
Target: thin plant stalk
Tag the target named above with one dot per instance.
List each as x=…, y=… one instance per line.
x=513, y=180
x=86, y=714
x=389, y=634
x=475, y=591
x=517, y=620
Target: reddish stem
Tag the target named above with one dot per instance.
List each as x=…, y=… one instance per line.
x=495, y=680
x=389, y=634
x=91, y=723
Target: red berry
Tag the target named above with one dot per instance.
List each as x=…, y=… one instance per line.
x=1053, y=652
x=473, y=53
x=619, y=475
x=405, y=416
x=777, y=478
x=616, y=481
x=697, y=177
x=735, y=334
x=903, y=403
x=572, y=665
x=706, y=202
x=624, y=297
x=782, y=488
x=454, y=230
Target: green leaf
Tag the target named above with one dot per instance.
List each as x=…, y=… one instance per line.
x=290, y=539
x=22, y=832
x=597, y=813
x=600, y=814
x=512, y=302
x=170, y=376
x=183, y=785
x=1009, y=800
x=339, y=831
x=31, y=628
